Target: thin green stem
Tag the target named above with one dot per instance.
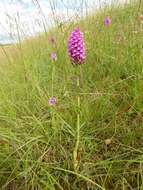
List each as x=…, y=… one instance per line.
x=52, y=110
x=75, y=152
x=80, y=176
x=53, y=73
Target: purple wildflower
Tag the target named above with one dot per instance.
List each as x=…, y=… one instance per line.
x=52, y=101
x=107, y=21
x=76, y=47
x=54, y=56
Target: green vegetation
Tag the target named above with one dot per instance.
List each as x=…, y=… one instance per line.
x=37, y=140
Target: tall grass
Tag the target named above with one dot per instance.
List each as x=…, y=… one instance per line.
x=37, y=140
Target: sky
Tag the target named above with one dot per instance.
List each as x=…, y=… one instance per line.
x=23, y=18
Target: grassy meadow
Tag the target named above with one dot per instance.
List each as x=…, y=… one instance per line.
x=103, y=115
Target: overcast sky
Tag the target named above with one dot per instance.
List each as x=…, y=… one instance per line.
x=26, y=17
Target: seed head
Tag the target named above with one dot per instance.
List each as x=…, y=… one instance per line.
x=53, y=41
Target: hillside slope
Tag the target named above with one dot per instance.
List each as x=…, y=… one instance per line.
x=37, y=139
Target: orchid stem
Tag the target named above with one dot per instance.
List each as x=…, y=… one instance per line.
x=75, y=152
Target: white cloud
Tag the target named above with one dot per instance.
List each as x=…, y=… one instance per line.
x=25, y=17
x=19, y=17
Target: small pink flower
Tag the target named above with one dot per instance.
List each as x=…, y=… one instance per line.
x=52, y=101
x=54, y=56
x=107, y=21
